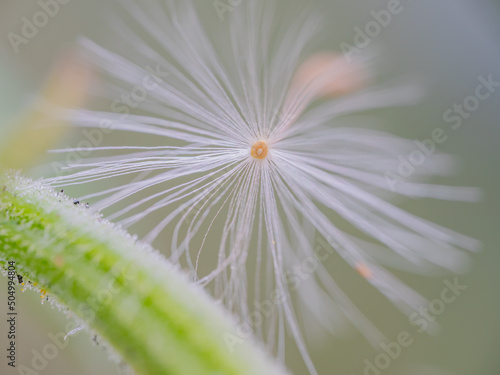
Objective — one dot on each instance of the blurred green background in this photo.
(447, 45)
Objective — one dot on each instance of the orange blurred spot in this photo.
(58, 261)
(322, 75)
(364, 270)
(330, 74)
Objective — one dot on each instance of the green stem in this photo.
(143, 306)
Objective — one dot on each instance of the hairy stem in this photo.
(140, 304)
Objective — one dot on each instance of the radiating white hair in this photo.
(324, 176)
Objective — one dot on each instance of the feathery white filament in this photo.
(220, 99)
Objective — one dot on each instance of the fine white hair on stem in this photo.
(322, 174)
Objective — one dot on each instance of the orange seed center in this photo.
(259, 150)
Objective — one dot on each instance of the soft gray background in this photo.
(448, 44)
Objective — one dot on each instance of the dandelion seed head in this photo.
(225, 104)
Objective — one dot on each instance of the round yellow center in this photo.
(259, 150)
